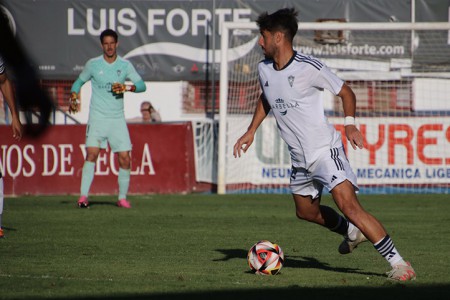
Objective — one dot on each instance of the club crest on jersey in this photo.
(291, 80)
(119, 72)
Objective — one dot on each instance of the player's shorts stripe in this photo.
(337, 160)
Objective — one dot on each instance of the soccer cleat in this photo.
(123, 203)
(83, 202)
(402, 273)
(347, 245)
(2, 235)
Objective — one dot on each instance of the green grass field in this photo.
(195, 247)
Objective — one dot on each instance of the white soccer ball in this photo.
(265, 258)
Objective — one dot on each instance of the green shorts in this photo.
(114, 132)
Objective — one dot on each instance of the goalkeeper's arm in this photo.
(120, 88)
(74, 103)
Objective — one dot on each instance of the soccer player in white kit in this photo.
(291, 85)
(8, 96)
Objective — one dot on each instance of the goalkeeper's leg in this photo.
(124, 183)
(124, 178)
(86, 181)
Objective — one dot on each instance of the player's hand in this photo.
(243, 143)
(17, 128)
(74, 103)
(120, 88)
(354, 136)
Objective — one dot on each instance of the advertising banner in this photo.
(162, 161)
(178, 40)
(399, 151)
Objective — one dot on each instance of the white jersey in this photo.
(294, 95)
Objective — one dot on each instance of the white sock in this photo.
(351, 231)
(387, 249)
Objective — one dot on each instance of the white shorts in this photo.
(328, 171)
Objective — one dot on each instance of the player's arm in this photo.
(244, 142)
(349, 105)
(85, 75)
(138, 85)
(120, 88)
(8, 95)
(74, 102)
(156, 117)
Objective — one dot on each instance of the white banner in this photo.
(412, 150)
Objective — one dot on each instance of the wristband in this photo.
(129, 88)
(349, 121)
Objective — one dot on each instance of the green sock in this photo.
(124, 183)
(87, 177)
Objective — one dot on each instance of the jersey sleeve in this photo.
(326, 79)
(86, 74)
(132, 74)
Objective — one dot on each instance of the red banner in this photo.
(162, 161)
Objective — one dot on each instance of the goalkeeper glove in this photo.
(120, 88)
(73, 103)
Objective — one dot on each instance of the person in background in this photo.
(149, 113)
(17, 129)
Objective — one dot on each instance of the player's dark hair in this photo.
(109, 32)
(284, 20)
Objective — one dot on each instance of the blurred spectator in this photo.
(148, 114)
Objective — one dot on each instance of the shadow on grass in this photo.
(302, 262)
(394, 291)
(91, 203)
(8, 228)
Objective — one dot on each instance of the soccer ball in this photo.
(265, 258)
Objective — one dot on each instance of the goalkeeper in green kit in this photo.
(106, 123)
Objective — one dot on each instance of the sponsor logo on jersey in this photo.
(283, 106)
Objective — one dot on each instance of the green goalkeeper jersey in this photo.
(104, 103)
